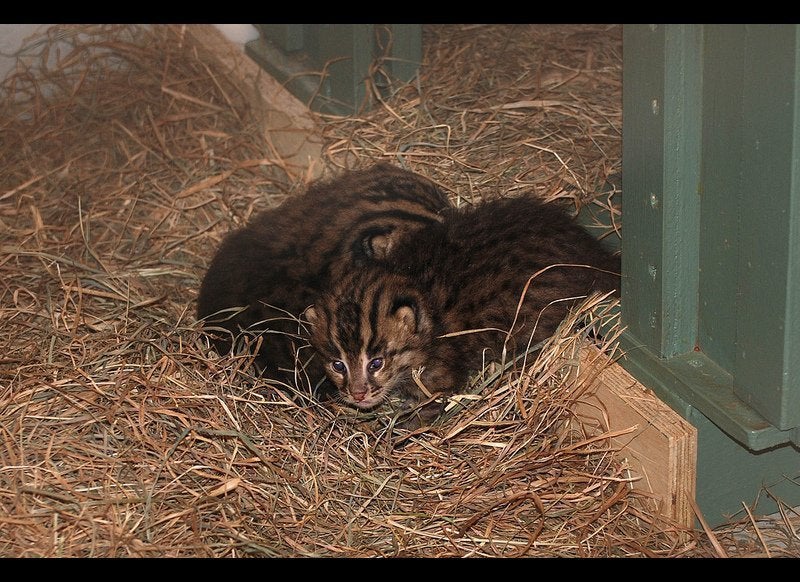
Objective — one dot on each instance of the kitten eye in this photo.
(338, 366)
(375, 364)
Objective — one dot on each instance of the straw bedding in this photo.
(126, 157)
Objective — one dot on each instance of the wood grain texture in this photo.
(662, 447)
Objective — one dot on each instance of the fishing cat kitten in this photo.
(265, 274)
(379, 324)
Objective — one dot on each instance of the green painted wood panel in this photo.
(326, 65)
(406, 53)
(791, 345)
(661, 124)
(643, 174)
(710, 242)
(749, 190)
(729, 475)
(769, 131)
(289, 37)
(682, 114)
(346, 51)
(721, 344)
(722, 181)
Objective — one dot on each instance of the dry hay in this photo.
(126, 158)
(502, 110)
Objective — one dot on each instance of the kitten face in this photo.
(371, 340)
(286, 255)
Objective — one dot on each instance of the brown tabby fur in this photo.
(467, 272)
(265, 274)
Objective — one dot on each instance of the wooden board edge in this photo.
(290, 127)
(661, 450)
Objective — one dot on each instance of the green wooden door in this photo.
(711, 245)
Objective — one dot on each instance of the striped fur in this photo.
(467, 272)
(268, 272)
(368, 322)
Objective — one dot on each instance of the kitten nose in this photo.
(359, 393)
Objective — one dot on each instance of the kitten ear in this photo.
(405, 320)
(410, 319)
(380, 245)
(311, 316)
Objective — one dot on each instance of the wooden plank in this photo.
(662, 448)
(768, 203)
(289, 37)
(290, 127)
(661, 166)
(723, 55)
